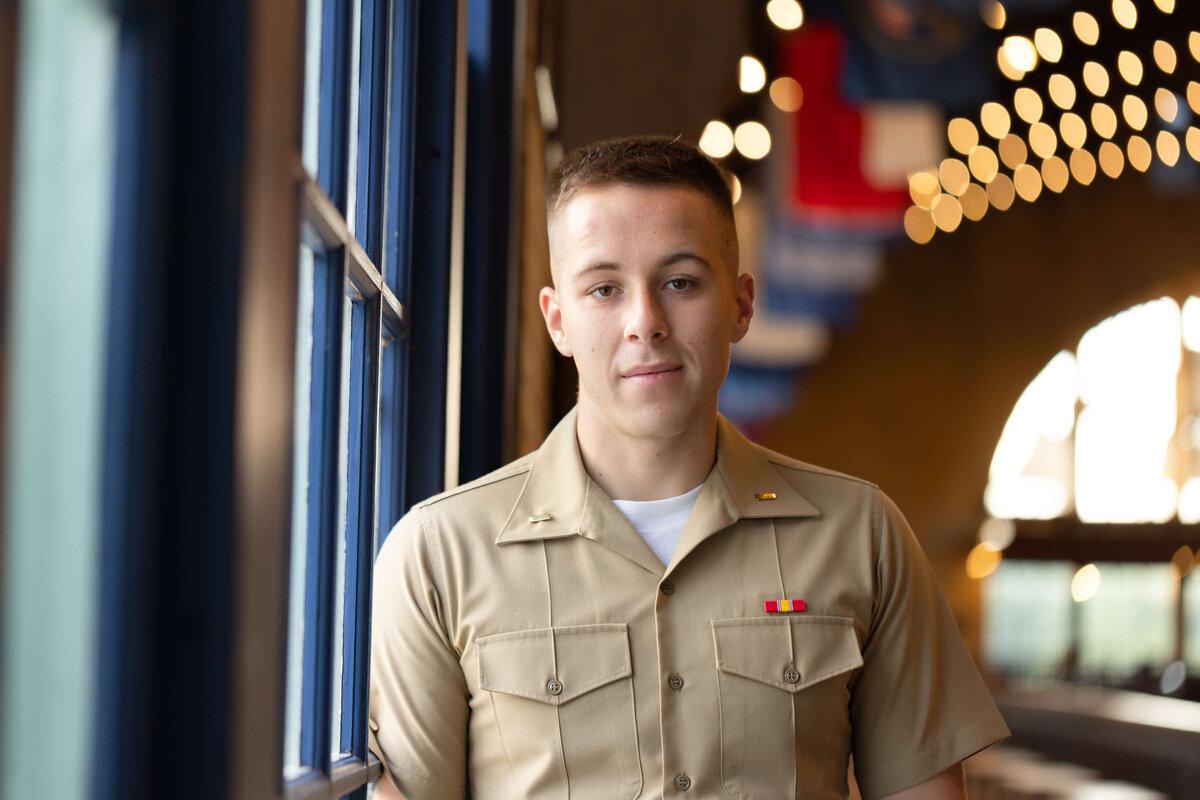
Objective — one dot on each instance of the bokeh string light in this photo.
(1065, 127)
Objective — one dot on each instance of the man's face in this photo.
(647, 303)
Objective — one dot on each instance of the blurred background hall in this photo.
(268, 274)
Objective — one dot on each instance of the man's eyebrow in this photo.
(684, 255)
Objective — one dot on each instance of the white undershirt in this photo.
(660, 522)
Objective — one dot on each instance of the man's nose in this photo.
(645, 320)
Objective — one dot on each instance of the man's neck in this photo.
(632, 468)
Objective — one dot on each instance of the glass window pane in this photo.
(1129, 623)
(1191, 614)
(1027, 618)
(294, 701)
(391, 430)
(312, 85)
(352, 121)
(339, 544)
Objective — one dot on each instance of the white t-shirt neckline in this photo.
(660, 522)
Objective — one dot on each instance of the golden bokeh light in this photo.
(1028, 104)
(1193, 96)
(1182, 562)
(1083, 167)
(1007, 69)
(752, 140)
(1020, 53)
(947, 212)
(1130, 67)
(1001, 192)
(1168, 148)
(919, 224)
(974, 202)
(752, 75)
(1085, 583)
(923, 186)
(982, 561)
(1166, 103)
(717, 139)
(786, 94)
(1073, 130)
(1104, 120)
(785, 14)
(1087, 30)
(1192, 140)
(1048, 45)
(1013, 151)
(993, 14)
(1139, 153)
(1134, 111)
(1055, 174)
(1095, 78)
(1028, 182)
(954, 176)
(995, 120)
(963, 134)
(735, 188)
(1062, 91)
(984, 164)
(1165, 6)
(1112, 160)
(1125, 13)
(1164, 56)
(1194, 44)
(1042, 139)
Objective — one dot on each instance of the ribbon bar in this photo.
(782, 606)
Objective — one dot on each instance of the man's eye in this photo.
(679, 283)
(603, 291)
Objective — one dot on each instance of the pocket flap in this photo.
(523, 663)
(758, 649)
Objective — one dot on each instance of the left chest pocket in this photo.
(784, 693)
(566, 693)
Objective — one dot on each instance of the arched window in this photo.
(1093, 494)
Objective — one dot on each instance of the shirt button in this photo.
(553, 686)
(675, 681)
(791, 675)
(667, 587)
(683, 783)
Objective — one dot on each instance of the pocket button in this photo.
(554, 687)
(791, 675)
(683, 783)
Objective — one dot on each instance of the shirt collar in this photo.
(559, 499)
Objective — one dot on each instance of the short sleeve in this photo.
(419, 698)
(918, 705)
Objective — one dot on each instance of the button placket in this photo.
(675, 681)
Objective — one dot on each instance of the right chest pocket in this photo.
(563, 699)
(783, 685)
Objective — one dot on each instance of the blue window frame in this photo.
(368, 255)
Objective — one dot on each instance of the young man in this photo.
(650, 605)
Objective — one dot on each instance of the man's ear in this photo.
(552, 313)
(743, 304)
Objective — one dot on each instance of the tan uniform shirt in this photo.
(525, 638)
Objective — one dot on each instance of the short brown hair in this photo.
(639, 161)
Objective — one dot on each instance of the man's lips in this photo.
(651, 371)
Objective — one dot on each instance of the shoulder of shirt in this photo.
(797, 466)
(514, 469)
